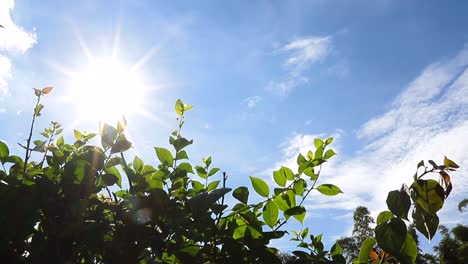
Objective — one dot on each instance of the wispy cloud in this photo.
(252, 102)
(302, 53)
(13, 39)
(428, 120)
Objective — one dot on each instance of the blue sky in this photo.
(388, 79)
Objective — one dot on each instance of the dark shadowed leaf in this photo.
(241, 194)
(399, 203)
(426, 223)
(391, 235)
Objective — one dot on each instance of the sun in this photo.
(106, 89)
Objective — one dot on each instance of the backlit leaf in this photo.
(270, 214)
(260, 186)
(47, 90)
(329, 189)
(164, 156)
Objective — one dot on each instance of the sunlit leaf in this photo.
(212, 185)
(164, 156)
(270, 213)
(366, 248)
(329, 189)
(384, 217)
(4, 152)
(449, 163)
(260, 186)
(429, 195)
(47, 90)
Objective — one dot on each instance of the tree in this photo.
(361, 230)
(453, 247)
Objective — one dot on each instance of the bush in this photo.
(61, 209)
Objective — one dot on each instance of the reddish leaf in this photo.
(47, 90)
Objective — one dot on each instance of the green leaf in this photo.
(299, 187)
(391, 236)
(201, 172)
(179, 107)
(4, 152)
(114, 171)
(212, 186)
(213, 171)
(185, 167)
(279, 178)
(366, 248)
(191, 250)
(109, 179)
(121, 124)
(300, 159)
(121, 145)
(138, 164)
(329, 140)
(260, 186)
(270, 214)
(429, 195)
(155, 180)
(449, 163)
(181, 155)
(197, 186)
(77, 134)
(108, 135)
(164, 156)
(180, 143)
(384, 217)
(410, 248)
(399, 203)
(426, 223)
(239, 232)
(318, 142)
(336, 249)
(297, 212)
(285, 200)
(329, 189)
(329, 153)
(207, 161)
(241, 194)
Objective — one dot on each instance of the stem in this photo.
(127, 170)
(48, 145)
(108, 192)
(303, 198)
(28, 142)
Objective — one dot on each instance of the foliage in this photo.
(71, 207)
(453, 247)
(427, 198)
(361, 231)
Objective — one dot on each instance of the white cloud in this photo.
(302, 53)
(307, 50)
(427, 121)
(13, 39)
(252, 102)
